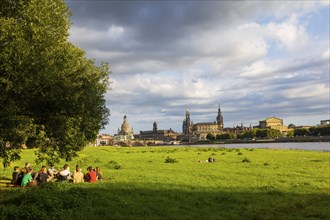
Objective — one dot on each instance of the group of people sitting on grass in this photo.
(28, 177)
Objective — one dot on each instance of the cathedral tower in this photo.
(186, 124)
(219, 119)
(155, 129)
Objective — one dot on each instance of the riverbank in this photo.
(275, 140)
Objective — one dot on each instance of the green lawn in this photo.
(275, 184)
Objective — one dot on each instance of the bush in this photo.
(246, 160)
(170, 160)
(113, 165)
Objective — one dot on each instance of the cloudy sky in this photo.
(257, 59)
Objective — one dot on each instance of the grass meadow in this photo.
(241, 184)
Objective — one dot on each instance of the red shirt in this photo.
(92, 176)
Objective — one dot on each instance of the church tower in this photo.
(219, 119)
(186, 123)
(155, 129)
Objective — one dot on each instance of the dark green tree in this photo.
(320, 131)
(248, 134)
(301, 132)
(210, 137)
(51, 95)
(226, 136)
(268, 133)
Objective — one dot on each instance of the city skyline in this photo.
(257, 59)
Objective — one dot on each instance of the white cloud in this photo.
(257, 68)
(326, 55)
(290, 34)
(307, 91)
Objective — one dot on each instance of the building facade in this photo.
(161, 135)
(325, 122)
(103, 140)
(274, 123)
(201, 129)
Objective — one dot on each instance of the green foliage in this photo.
(170, 160)
(290, 134)
(301, 132)
(210, 137)
(320, 130)
(113, 165)
(226, 136)
(54, 95)
(312, 131)
(268, 133)
(246, 160)
(251, 134)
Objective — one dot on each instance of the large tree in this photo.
(51, 95)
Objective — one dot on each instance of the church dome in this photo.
(125, 128)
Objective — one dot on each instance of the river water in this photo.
(318, 146)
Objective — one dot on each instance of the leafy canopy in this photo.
(51, 95)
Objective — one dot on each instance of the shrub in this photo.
(113, 165)
(246, 160)
(170, 160)
(239, 153)
(97, 160)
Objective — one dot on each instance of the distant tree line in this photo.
(271, 133)
(312, 131)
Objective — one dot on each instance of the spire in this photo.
(155, 127)
(219, 118)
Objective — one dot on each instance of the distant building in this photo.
(125, 133)
(238, 129)
(155, 134)
(201, 129)
(274, 123)
(103, 140)
(325, 122)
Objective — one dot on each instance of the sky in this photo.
(257, 59)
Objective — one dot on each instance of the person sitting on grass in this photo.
(20, 176)
(99, 173)
(28, 166)
(91, 174)
(15, 175)
(78, 176)
(27, 177)
(42, 176)
(65, 173)
(52, 171)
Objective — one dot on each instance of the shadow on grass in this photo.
(129, 201)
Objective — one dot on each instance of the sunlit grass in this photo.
(274, 184)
